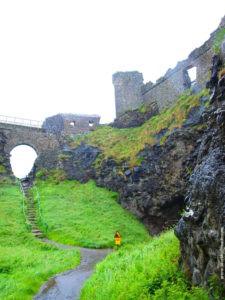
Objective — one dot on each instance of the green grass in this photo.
(218, 41)
(86, 215)
(25, 263)
(125, 144)
(149, 271)
(2, 170)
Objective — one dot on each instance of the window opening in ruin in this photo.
(22, 160)
(192, 73)
(73, 123)
(91, 123)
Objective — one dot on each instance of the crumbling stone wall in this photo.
(165, 92)
(127, 91)
(70, 124)
(170, 86)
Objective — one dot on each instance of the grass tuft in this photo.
(218, 41)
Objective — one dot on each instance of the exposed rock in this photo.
(134, 118)
(154, 190)
(200, 231)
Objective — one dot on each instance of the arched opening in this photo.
(192, 72)
(91, 123)
(22, 159)
(190, 76)
(72, 123)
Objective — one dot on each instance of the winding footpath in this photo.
(66, 285)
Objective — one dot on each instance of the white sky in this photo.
(22, 160)
(59, 56)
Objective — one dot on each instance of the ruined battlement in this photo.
(127, 90)
(130, 92)
(70, 124)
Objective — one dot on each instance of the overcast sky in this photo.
(59, 56)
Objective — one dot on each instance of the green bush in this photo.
(52, 175)
(2, 170)
(218, 41)
(64, 156)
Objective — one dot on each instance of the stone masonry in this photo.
(45, 140)
(70, 124)
(127, 91)
(130, 92)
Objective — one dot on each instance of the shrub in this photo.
(218, 41)
(64, 156)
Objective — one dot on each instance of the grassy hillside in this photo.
(149, 271)
(126, 143)
(25, 263)
(86, 215)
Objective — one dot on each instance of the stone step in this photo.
(34, 225)
(37, 234)
(35, 230)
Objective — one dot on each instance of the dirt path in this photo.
(68, 284)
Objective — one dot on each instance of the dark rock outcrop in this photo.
(200, 229)
(155, 189)
(136, 117)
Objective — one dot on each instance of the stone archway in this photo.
(22, 159)
(15, 135)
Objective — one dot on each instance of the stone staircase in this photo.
(31, 207)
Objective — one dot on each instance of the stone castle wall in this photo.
(70, 124)
(131, 94)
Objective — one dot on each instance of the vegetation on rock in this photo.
(218, 41)
(126, 143)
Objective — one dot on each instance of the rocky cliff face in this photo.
(154, 190)
(200, 230)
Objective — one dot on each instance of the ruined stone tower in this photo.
(127, 87)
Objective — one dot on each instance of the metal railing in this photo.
(24, 197)
(39, 208)
(20, 121)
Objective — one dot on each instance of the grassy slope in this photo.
(148, 271)
(126, 143)
(25, 263)
(86, 215)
